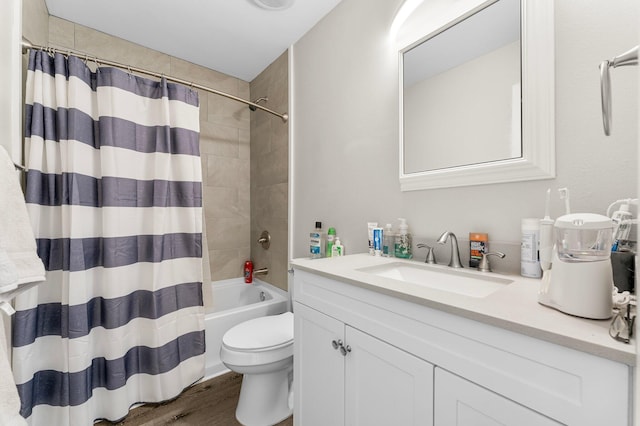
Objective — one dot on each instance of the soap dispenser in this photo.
(402, 246)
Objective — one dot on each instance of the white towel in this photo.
(19, 261)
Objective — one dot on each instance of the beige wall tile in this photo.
(61, 33)
(203, 76)
(116, 49)
(204, 105)
(229, 112)
(225, 203)
(228, 233)
(35, 21)
(227, 172)
(219, 140)
(227, 264)
(269, 172)
(244, 144)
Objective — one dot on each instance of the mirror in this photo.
(496, 126)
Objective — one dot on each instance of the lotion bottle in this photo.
(337, 249)
(402, 246)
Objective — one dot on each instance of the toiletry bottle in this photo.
(316, 242)
(478, 244)
(387, 241)
(370, 226)
(377, 241)
(530, 248)
(248, 272)
(331, 236)
(402, 246)
(337, 249)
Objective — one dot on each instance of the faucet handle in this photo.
(484, 266)
(431, 258)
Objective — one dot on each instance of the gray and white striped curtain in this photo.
(115, 199)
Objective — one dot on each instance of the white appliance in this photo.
(575, 258)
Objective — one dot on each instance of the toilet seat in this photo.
(260, 341)
(260, 333)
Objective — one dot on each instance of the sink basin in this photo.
(450, 280)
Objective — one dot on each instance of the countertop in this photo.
(514, 307)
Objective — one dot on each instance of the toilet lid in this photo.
(261, 333)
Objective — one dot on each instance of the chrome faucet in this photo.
(455, 253)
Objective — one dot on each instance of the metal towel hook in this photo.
(630, 57)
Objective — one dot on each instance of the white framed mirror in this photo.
(495, 63)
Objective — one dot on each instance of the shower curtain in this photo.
(115, 199)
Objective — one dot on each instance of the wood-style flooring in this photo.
(210, 403)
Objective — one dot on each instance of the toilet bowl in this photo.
(262, 350)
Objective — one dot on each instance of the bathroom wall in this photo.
(345, 132)
(224, 127)
(270, 172)
(35, 22)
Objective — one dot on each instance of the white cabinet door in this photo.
(318, 369)
(459, 402)
(385, 385)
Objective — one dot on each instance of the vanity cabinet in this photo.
(351, 378)
(363, 357)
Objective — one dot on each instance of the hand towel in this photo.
(19, 261)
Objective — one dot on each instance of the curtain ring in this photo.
(95, 61)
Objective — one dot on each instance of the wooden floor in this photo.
(211, 403)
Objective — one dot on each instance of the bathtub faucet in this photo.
(261, 271)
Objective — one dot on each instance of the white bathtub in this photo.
(230, 302)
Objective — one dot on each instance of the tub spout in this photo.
(261, 271)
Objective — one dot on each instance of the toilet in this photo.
(262, 350)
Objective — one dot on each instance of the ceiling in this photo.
(235, 37)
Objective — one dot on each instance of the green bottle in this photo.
(331, 236)
(403, 244)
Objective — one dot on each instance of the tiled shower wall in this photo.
(270, 171)
(224, 139)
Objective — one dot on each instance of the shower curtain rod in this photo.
(27, 45)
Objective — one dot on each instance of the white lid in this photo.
(584, 221)
(403, 225)
(260, 333)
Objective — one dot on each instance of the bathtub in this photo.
(230, 302)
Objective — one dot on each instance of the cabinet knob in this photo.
(345, 350)
(336, 344)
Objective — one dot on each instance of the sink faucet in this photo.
(455, 253)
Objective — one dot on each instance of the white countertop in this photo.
(513, 308)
